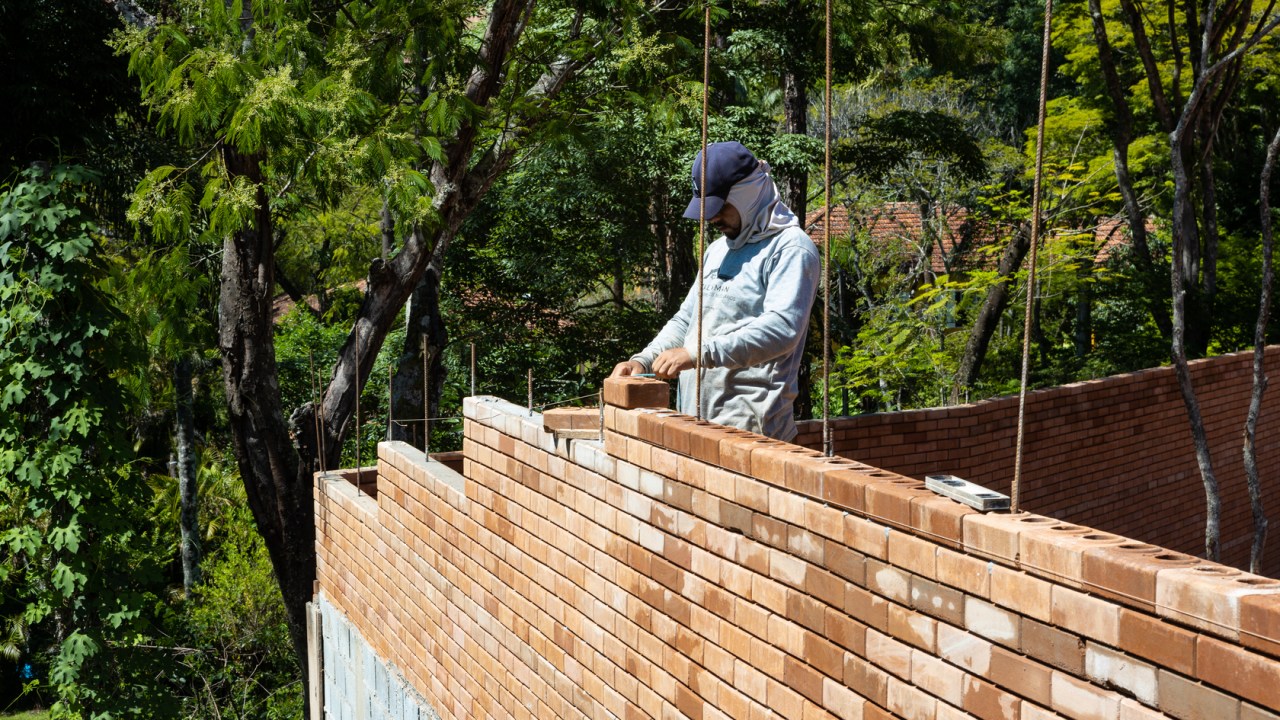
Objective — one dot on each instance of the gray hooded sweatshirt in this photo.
(759, 289)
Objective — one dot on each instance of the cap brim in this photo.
(714, 205)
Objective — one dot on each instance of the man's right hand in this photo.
(627, 367)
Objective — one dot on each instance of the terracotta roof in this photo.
(900, 221)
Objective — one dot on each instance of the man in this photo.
(760, 278)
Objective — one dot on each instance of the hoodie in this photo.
(758, 291)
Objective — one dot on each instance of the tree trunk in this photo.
(189, 501)
(1183, 218)
(1083, 335)
(984, 325)
(795, 118)
(277, 482)
(408, 392)
(1259, 364)
(1121, 127)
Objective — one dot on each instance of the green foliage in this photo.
(75, 559)
(235, 658)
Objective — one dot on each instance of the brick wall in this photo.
(1114, 453)
(681, 569)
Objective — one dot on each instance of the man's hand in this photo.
(672, 362)
(627, 367)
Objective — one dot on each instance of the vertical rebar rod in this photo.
(359, 345)
(702, 204)
(315, 409)
(473, 369)
(391, 415)
(826, 252)
(1036, 228)
(426, 404)
(530, 392)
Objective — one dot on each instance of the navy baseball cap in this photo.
(727, 164)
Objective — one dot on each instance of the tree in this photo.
(77, 559)
(430, 101)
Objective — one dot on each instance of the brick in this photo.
(937, 600)
(988, 702)
(913, 554)
(1082, 614)
(995, 535)
(583, 418)
(846, 632)
(845, 488)
(1057, 550)
(1247, 674)
(1134, 710)
(704, 441)
(937, 678)
(1021, 675)
(964, 649)
(866, 679)
(890, 502)
(889, 654)
(1208, 596)
(913, 628)
(806, 472)
(1127, 572)
(769, 460)
(867, 537)
(940, 519)
(1053, 646)
(907, 702)
(1189, 700)
(841, 701)
(1158, 641)
(1260, 623)
(735, 452)
(848, 564)
(1112, 668)
(803, 679)
(888, 581)
(631, 392)
(1081, 701)
(993, 623)
(1024, 593)
(970, 574)
(1252, 712)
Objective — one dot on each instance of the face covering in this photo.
(762, 210)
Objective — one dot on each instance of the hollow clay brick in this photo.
(1111, 668)
(970, 574)
(890, 502)
(995, 535)
(1208, 596)
(1052, 646)
(704, 441)
(845, 489)
(632, 392)
(1022, 592)
(865, 679)
(913, 554)
(804, 471)
(735, 451)
(940, 519)
(1080, 700)
(769, 460)
(650, 422)
(1158, 641)
(1086, 615)
(1057, 550)
(1127, 572)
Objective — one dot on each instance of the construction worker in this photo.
(759, 279)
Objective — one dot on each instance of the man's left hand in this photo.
(672, 362)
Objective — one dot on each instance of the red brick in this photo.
(1056, 551)
(1247, 674)
(1260, 623)
(769, 460)
(940, 519)
(845, 489)
(1052, 646)
(1208, 596)
(988, 702)
(1127, 572)
(1158, 641)
(890, 502)
(631, 392)
(1189, 700)
(1021, 675)
(995, 536)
